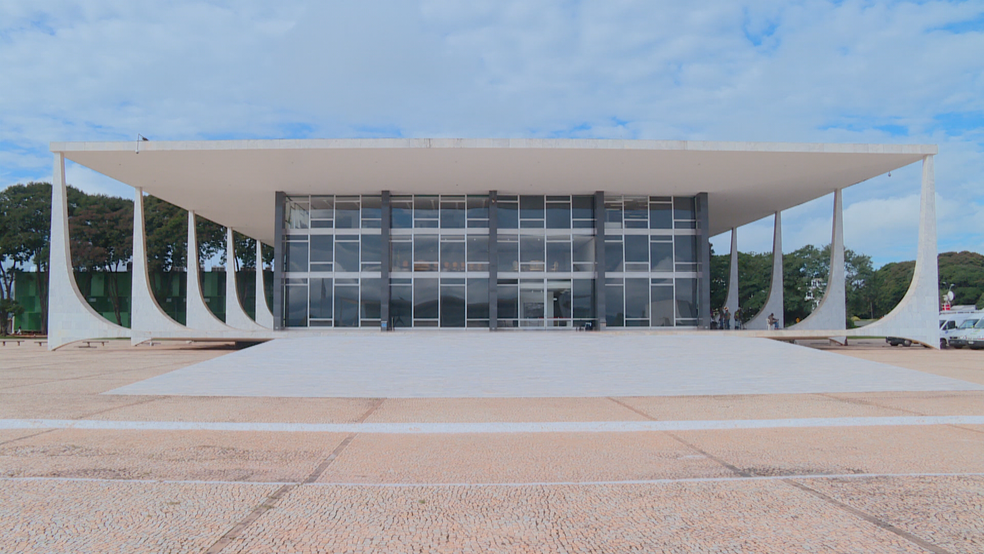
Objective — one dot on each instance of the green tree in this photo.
(965, 272)
(26, 213)
(9, 309)
(102, 240)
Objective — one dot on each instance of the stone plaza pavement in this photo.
(816, 459)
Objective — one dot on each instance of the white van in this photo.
(967, 330)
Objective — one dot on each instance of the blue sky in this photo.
(812, 71)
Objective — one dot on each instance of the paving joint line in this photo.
(138, 402)
(26, 437)
(858, 401)
(870, 518)
(632, 408)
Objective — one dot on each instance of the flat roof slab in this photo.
(533, 365)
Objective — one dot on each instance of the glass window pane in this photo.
(686, 298)
(296, 214)
(347, 306)
(531, 207)
(321, 298)
(425, 299)
(662, 256)
(372, 208)
(584, 254)
(508, 214)
(637, 298)
(558, 301)
(613, 256)
(297, 303)
(531, 299)
(683, 207)
(636, 212)
(558, 215)
(401, 212)
(322, 207)
(402, 256)
(297, 255)
(558, 256)
(583, 302)
(583, 207)
(371, 252)
(425, 207)
(508, 300)
(452, 255)
(613, 214)
(686, 248)
(453, 306)
(660, 216)
(637, 248)
(370, 299)
(425, 253)
(478, 253)
(614, 314)
(347, 212)
(478, 207)
(478, 299)
(346, 256)
(321, 248)
(401, 305)
(453, 214)
(531, 256)
(508, 253)
(661, 306)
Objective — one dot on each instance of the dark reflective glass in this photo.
(637, 298)
(371, 255)
(583, 302)
(478, 207)
(531, 256)
(662, 256)
(425, 207)
(584, 254)
(425, 300)
(452, 255)
(347, 213)
(661, 306)
(478, 253)
(322, 207)
(401, 212)
(402, 256)
(683, 207)
(583, 207)
(372, 207)
(508, 215)
(637, 248)
(660, 216)
(370, 299)
(321, 250)
(613, 256)
(686, 298)
(613, 214)
(531, 207)
(531, 299)
(558, 256)
(321, 298)
(453, 214)
(401, 305)
(508, 300)
(636, 212)
(478, 299)
(453, 306)
(346, 256)
(614, 314)
(559, 301)
(296, 214)
(686, 248)
(347, 306)
(508, 251)
(425, 253)
(558, 215)
(297, 255)
(296, 300)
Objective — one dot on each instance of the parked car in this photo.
(950, 322)
(968, 331)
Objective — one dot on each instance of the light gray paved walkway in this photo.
(532, 364)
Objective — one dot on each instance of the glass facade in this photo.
(480, 261)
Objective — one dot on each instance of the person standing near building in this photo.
(738, 318)
(726, 317)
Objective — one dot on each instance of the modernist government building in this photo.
(406, 234)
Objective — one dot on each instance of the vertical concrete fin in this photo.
(147, 319)
(917, 316)
(198, 316)
(774, 302)
(831, 313)
(731, 301)
(70, 317)
(264, 316)
(236, 316)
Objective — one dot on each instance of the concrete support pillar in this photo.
(197, 314)
(703, 215)
(831, 313)
(917, 315)
(384, 259)
(278, 260)
(599, 305)
(264, 316)
(731, 300)
(70, 317)
(774, 302)
(493, 260)
(236, 316)
(147, 319)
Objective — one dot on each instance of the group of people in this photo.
(723, 319)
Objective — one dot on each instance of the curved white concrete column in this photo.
(70, 317)
(235, 315)
(774, 303)
(731, 301)
(917, 315)
(198, 316)
(147, 319)
(264, 316)
(831, 313)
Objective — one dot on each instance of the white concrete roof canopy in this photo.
(233, 182)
